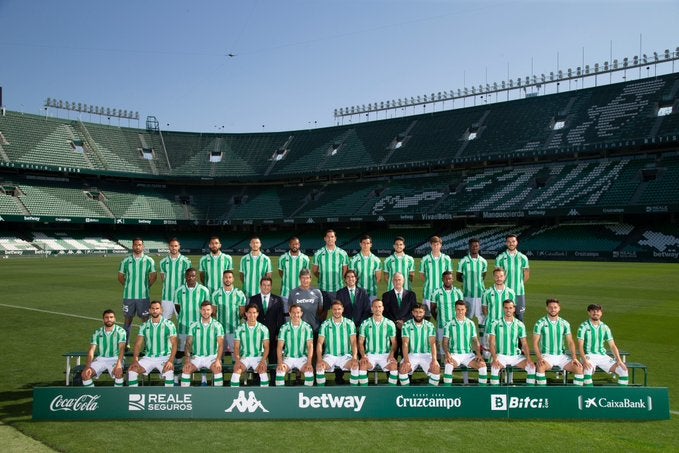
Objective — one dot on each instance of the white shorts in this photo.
(421, 360)
(251, 363)
(229, 339)
(463, 359)
(337, 361)
(378, 359)
(510, 360)
(153, 363)
(559, 361)
(295, 363)
(203, 362)
(602, 361)
(169, 309)
(101, 364)
(474, 309)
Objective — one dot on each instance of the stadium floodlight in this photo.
(503, 84)
(655, 56)
(495, 86)
(560, 74)
(615, 64)
(136, 115)
(667, 54)
(466, 91)
(511, 83)
(635, 60)
(459, 92)
(625, 62)
(596, 67)
(586, 69)
(644, 58)
(578, 71)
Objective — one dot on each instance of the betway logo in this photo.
(328, 400)
(84, 403)
(605, 403)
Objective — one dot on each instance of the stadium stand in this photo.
(483, 170)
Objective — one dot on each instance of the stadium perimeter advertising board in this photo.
(254, 403)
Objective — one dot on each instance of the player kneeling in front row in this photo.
(419, 348)
(295, 348)
(505, 335)
(548, 335)
(251, 348)
(110, 340)
(338, 334)
(459, 337)
(377, 345)
(593, 335)
(204, 347)
(160, 337)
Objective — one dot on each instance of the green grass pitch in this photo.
(640, 304)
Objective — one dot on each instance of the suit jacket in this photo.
(360, 310)
(393, 311)
(274, 318)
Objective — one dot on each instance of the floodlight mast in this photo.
(533, 82)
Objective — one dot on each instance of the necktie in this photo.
(265, 302)
(352, 294)
(398, 296)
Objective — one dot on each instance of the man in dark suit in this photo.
(356, 300)
(271, 313)
(398, 305)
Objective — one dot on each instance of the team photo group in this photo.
(204, 323)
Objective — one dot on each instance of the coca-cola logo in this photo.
(84, 403)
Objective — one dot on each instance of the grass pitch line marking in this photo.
(56, 313)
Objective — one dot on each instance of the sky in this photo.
(276, 65)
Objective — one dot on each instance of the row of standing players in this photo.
(399, 305)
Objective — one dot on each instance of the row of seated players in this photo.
(377, 345)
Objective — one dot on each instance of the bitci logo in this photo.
(498, 402)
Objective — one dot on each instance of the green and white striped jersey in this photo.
(403, 264)
(291, 265)
(254, 268)
(214, 267)
(377, 336)
(365, 267)
(337, 336)
(418, 336)
(205, 337)
(157, 337)
(251, 339)
(513, 266)
(228, 307)
(189, 300)
(445, 304)
(493, 299)
(295, 339)
(433, 269)
(137, 272)
(552, 335)
(108, 343)
(507, 335)
(175, 273)
(595, 337)
(472, 270)
(460, 335)
(330, 266)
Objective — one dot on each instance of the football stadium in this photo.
(585, 178)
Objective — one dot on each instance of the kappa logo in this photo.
(573, 212)
(136, 402)
(246, 404)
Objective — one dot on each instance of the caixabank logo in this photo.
(159, 402)
(602, 402)
(502, 402)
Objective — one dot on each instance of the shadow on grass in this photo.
(17, 405)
